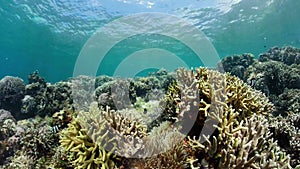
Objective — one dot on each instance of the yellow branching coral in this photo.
(226, 106)
(250, 146)
(202, 93)
(82, 151)
(125, 135)
(93, 139)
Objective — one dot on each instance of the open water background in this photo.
(48, 35)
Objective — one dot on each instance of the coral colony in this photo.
(254, 106)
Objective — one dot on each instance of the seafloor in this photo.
(251, 113)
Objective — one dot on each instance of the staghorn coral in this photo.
(93, 138)
(163, 148)
(173, 158)
(273, 73)
(203, 91)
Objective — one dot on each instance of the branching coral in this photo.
(124, 134)
(248, 145)
(173, 158)
(93, 137)
(82, 152)
(225, 106)
(199, 93)
(163, 148)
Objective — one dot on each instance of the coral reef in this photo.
(247, 145)
(192, 119)
(20, 161)
(274, 73)
(44, 99)
(30, 141)
(286, 130)
(7, 124)
(288, 101)
(83, 88)
(117, 94)
(236, 64)
(7, 130)
(273, 77)
(12, 91)
(38, 138)
(122, 93)
(288, 55)
(173, 158)
(90, 139)
(100, 80)
(231, 106)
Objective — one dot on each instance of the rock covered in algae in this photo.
(288, 55)
(120, 93)
(12, 91)
(286, 131)
(236, 64)
(43, 98)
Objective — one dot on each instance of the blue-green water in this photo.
(48, 35)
